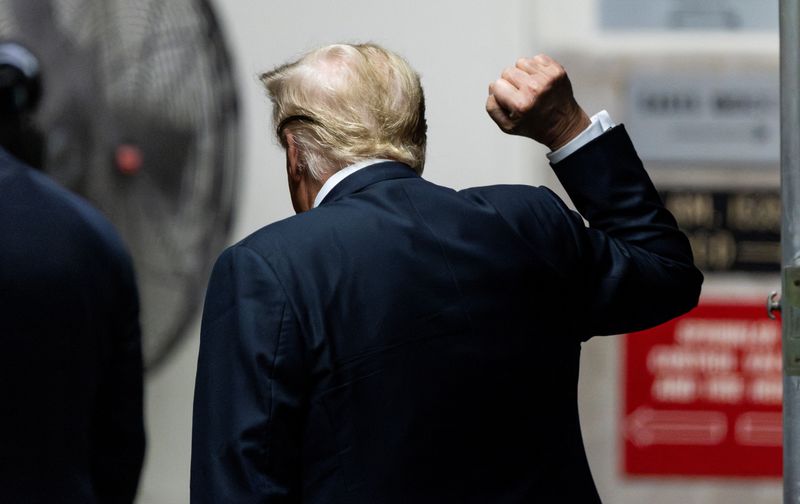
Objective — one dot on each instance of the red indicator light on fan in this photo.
(128, 159)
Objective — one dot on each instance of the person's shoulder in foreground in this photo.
(25, 189)
(69, 314)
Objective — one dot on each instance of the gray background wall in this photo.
(458, 47)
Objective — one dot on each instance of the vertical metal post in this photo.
(790, 244)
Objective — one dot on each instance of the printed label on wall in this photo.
(717, 15)
(700, 118)
(703, 395)
(734, 230)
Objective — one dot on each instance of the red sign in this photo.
(703, 395)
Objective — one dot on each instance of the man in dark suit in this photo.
(71, 425)
(402, 342)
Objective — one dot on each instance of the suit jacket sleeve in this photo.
(119, 439)
(248, 393)
(631, 268)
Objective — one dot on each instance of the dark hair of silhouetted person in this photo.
(20, 93)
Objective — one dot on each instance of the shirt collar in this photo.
(340, 175)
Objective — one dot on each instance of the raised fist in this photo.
(534, 99)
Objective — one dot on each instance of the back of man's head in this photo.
(346, 103)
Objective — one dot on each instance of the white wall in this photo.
(458, 47)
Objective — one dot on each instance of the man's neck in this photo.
(340, 175)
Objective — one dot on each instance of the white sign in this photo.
(686, 118)
(689, 14)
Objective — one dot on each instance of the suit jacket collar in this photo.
(359, 180)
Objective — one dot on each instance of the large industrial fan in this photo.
(139, 108)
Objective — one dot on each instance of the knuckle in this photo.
(519, 105)
(539, 83)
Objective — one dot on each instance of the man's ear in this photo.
(293, 166)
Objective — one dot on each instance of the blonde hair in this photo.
(346, 103)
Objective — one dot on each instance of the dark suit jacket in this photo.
(407, 343)
(71, 428)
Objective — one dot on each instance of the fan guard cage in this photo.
(141, 117)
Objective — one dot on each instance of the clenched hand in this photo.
(534, 99)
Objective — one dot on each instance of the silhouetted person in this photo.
(71, 426)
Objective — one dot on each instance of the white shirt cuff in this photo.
(601, 122)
